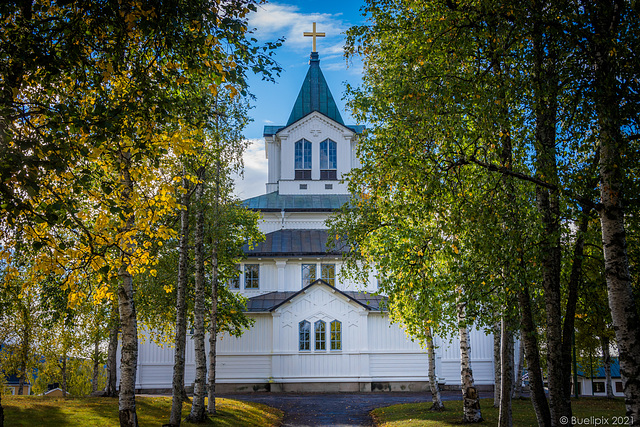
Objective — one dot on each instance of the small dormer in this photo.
(315, 149)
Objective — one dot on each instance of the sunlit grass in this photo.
(102, 411)
(418, 414)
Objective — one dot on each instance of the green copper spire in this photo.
(315, 95)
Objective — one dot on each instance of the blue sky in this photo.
(274, 100)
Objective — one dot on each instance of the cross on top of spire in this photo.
(313, 34)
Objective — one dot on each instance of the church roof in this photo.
(275, 202)
(314, 95)
(292, 243)
(271, 301)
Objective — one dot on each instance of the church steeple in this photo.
(314, 94)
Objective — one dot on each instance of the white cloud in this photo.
(255, 171)
(275, 20)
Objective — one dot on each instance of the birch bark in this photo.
(436, 399)
(534, 369)
(96, 365)
(127, 311)
(470, 398)
(505, 418)
(622, 302)
(112, 355)
(198, 409)
(213, 333)
(63, 370)
(546, 87)
(497, 382)
(518, 378)
(181, 311)
(606, 362)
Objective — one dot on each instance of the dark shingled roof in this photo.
(292, 243)
(275, 202)
(271, 301)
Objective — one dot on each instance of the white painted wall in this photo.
(372, 350)
(314, 128)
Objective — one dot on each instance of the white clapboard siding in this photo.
(393, 366)
(384, 336)
(257, 339)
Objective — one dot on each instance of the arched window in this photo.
(305, 335)
(321, 335)
(328, 159)
(303, 159)
(336, 335)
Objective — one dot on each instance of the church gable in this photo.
(317, 126)
(320, 297)
(320, 318)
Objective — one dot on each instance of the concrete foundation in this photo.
(324, 387)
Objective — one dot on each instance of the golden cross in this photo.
(313, 34)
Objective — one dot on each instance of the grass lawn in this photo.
(418, 414)
(103, 411)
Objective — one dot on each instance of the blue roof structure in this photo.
(314, 95)
(275, 202)
(599, 371)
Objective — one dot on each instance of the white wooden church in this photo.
(312, 332)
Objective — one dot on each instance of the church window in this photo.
(321, 335)
(252, 276)
(336, 335)
(303, 159)
(308, 274)
(305, 335)
(328, 159)
(328, 273)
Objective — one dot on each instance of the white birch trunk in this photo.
(63, 371)
(198, 409)
(470, 398)
(606, 21)
(213, 334)
(497, 382)
(127, 311)
(606, 361)
(112, 356)
(436, 399)
(505, 418)
(181, 315)
(96, 365)
(518, 379)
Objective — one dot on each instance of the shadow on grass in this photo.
(101, 411)
(418, 414)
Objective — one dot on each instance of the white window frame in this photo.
(308, 281)
(256, 279)
(304, 340)
(322, 341)
(335, 336)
